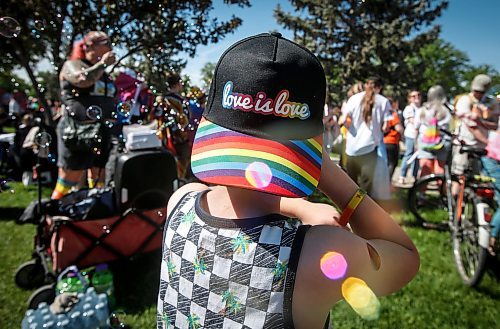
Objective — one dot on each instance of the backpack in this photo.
(431, 139)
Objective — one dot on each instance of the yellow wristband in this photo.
(351, 206)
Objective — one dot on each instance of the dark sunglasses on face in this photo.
(104, 42)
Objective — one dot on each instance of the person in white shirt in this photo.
(410, 134)
(476, 117)
(366, 116)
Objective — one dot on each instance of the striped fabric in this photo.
(431, 140)
(225, 157)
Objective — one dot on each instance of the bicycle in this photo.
(465, 216)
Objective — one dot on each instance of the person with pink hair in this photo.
(87, 94)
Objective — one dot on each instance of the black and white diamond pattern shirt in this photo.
(222, 273)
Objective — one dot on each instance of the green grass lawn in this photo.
(436, 298)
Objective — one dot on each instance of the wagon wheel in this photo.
(46, 293)
(30, 275)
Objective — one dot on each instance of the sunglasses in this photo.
(479, 92)
(104, 42)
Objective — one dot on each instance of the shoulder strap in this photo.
(179, 203)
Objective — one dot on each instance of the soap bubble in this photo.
(117, 320)
(9, 27)
(39, 25)
(94, 112)
(123, 109)
(43, 139)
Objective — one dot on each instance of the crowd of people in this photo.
(264, 138)
(373, 123)
(97, 103)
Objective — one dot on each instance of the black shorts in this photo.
(69, 160)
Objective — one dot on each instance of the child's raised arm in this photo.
(378, 251)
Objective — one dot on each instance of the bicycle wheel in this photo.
(469, 256)
(427, 201)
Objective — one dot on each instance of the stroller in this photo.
(89, 227)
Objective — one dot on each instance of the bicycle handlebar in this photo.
(464, 148)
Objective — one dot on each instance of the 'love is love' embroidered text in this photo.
(280, 106)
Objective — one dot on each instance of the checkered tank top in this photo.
(222, 273)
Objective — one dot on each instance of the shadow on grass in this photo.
(136, 282)
(493, 271)
(11, 213)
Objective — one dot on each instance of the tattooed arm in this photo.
(81, 76)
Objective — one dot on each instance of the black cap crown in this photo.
(269, 87)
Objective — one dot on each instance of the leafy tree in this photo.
(447, 66)
(49, 81)
(207, 73)
(357, 39)
(155, 31)
(482, 69)
(440, 63)
(11, 82)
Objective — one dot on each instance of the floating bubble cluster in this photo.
(51, 158)
(258, 174)
(9, 27)
(123, 109)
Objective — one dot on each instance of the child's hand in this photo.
(319, 214)
(308, 212)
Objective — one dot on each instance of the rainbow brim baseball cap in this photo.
(262, 128)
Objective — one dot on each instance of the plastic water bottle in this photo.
(49, 325)
(102, 281)
(102, 313)
(71, 280)
(75, 320)
(61, 321)
(87, 307)
(29, 318)
(49, 318)
(90, 320)
(64, 324)
(91, 292)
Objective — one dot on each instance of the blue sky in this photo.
(472, 26)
